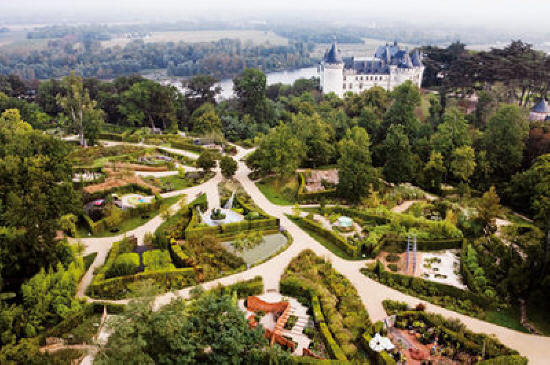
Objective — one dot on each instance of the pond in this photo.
(270, 245)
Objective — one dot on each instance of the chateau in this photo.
(389, 67)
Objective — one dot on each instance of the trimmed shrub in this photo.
(179, 257)
(332, 347)
(316, 308)
(117, 288)
(157, 260)
(254, 286)
(124, 264)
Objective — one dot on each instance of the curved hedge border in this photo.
(505, 360)
(331, 236)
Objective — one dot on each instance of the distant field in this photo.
(254, 36)
(356, 49)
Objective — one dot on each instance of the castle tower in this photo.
(332, 72)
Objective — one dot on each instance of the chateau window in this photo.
(361, 78)
(344, 87)
(356, 78)
(344, 79)
(360, 85)
(350, 85)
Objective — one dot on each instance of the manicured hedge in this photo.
(254, 286)
(179, 258)
(189, 146)
(100, 226)
(156, 260)
(379, 358)
(424, 245)
(331, 236)
(316, 308)
(117, 248)
(332, 347)
(437, 289)
(126, 189)
(505, 360)
(117, 288)
(355, 213)
(303, 196)
(124, 264)
(194, 231)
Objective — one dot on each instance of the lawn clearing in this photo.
(507, 317)
(270, 245)
(196, 36)
(279, 191)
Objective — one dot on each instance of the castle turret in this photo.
(332, 72)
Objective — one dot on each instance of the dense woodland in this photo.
(375, 137)
(84, 54)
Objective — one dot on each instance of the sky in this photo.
(504, 14)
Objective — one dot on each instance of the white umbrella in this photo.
(379, 344)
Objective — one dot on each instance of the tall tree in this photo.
(463, 163)
(250, 88)
(201, 89)
(398, 165)
(406, 97)
(355, 171)
(488, 208)
(450, 134)
(279, 152)
(150, 103)
(504, 141)
(35, 191)
(434, 172)
(79, 108)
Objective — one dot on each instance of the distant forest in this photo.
(83, 53)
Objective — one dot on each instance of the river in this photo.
(284, 77)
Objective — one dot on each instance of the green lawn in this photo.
(509, 317)
(325, 242)
(132, 223)
(277, 191)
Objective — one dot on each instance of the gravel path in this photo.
(372, 293)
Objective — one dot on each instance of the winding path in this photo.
(372, 293)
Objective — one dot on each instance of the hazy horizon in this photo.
(504, 15)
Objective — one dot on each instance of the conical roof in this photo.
(541, 107)
(333, 56)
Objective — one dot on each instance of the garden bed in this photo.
(270, 244)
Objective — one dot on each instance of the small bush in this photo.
(392, 258)
(393, 267)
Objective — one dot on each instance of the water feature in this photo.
(230, 217)
(284, 77)
(229, 203)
